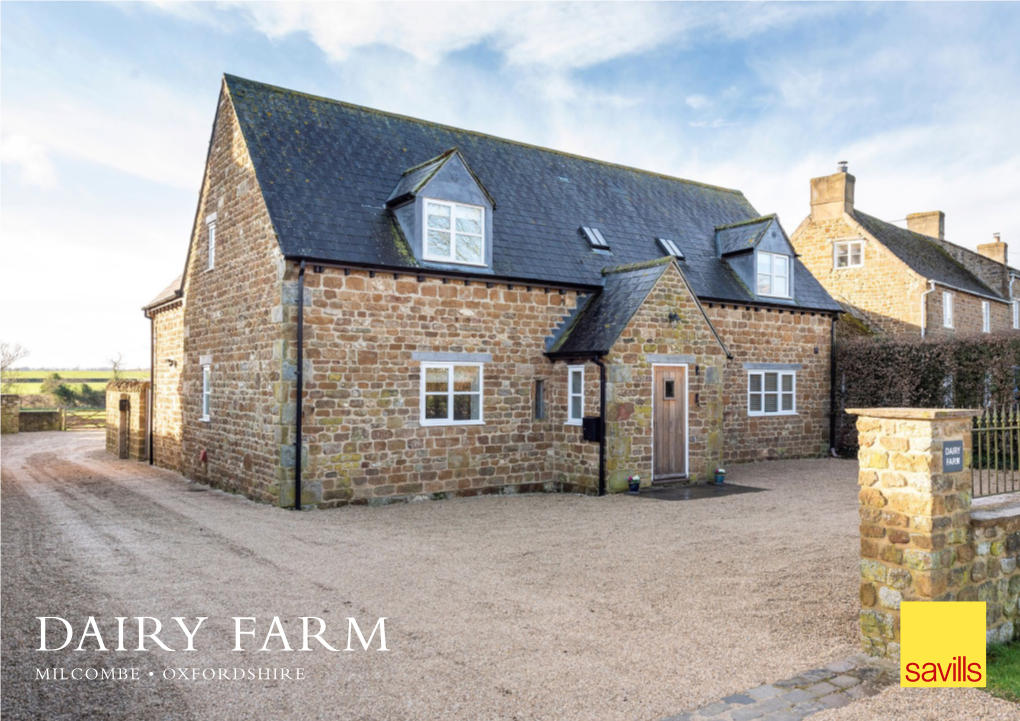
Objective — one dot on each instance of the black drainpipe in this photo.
(300, 383)
(152, 379)
(602, 424)
(832, 388)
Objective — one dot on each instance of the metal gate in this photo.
(995, 458)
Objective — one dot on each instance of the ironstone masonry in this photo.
(902, 278)
(375, 313)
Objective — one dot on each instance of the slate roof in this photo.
(922, 255)
(327, 168)
(604, 316)
(174, 290)
(739, 237)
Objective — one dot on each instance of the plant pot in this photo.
(634, 487)
(720, 477)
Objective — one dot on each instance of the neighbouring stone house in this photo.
(439, 311)
(904, 281)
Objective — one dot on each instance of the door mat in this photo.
(695, 492)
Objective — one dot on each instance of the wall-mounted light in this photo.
(674, 317)
(171, 362)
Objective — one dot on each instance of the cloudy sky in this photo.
(105, 112)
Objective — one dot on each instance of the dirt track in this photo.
(502, 607)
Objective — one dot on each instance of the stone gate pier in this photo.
(922, 539)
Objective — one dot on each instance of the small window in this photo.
(206, 391)
(670, 248)
(210, 227)
(986, 316)
(669, 389)
(454, 233)
(947, 309)
(771, 393)
(848, 254)
(575, 408)
(773, 275)
(451, 394)
(595, 238)
(1016, 314)
(540, 400)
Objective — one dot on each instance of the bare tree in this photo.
(116, 367)
(10, 353)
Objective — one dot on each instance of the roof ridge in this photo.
(445, 155)
(643, 265)
(228, 77)
(932, 242)
(752, 221)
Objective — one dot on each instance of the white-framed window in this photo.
(773, 274)
(210, 229)
(986, 316)
(454, 233)
(1016, 314)
(206, 391)
(575, 396)
(947, 309)
(848, 254)
(451, 394)
(771, 393)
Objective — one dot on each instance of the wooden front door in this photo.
(669, 404)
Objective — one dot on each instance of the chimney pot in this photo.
(842, 166)
(932, 224)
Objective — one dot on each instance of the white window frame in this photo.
(947, 309)
(210, 229)
(449, 421)
(779, 392)
(772, 276)
(847, 246)
(986, 316)
(1016, 315)
(206, 392)
(571, 420)
(452, 258)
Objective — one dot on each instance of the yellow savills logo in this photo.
(942, 644)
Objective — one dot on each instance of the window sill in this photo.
(786, 414)
(434, 424)
(205, 419)
(448, 261)
(574, 423)
(778, 297)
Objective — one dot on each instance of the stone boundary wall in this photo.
(11, 406)
(30, 421)
(918, 540)
(137, 395)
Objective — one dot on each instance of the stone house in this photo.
(904, 281)
(434, 312)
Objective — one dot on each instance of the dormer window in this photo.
(773, 275)
(454, 233)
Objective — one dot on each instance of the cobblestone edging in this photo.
(838, 684)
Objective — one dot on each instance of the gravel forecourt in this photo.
(509, 607)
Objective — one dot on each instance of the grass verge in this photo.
(1004, 671)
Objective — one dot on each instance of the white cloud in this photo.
(697, 101)
(31, 158)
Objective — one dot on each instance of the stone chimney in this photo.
(996, 250)
(832, 195)
(932, 224)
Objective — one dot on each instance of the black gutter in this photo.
(832, 388)
(300, 384)
(443, 273)
(602, 424)
(152, 381)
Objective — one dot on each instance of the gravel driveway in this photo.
(527, 607)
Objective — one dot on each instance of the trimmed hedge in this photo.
(972, 372)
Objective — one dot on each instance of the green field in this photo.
(97, 379)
